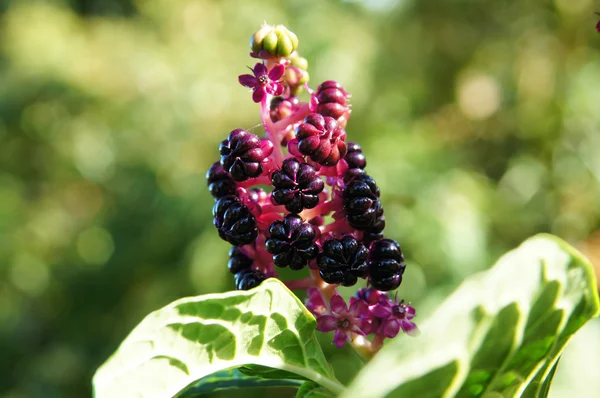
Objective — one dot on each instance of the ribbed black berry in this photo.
(355, 157)
(343, 261)
(332, 99)
(361, 202)
(386, 264)
(292, 242)
(297, 186)
(322, 139)
(219, 181)
(242, 155)
(248, 278)
(238, 261)
(234, 221)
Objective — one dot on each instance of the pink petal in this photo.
(259, 69)
(381, 311)
(410, 328)
(369, 326)
(247, 80)
(410, 312)
(340, 338)
(276, 72)
(258, 94)
(359, 308)
(338, 305)
(391, 328)
(326, 323)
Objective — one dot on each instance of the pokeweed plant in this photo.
(499, 334)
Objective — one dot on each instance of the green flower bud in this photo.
(299, 62)
(276, 41)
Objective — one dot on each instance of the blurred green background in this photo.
(480, 121)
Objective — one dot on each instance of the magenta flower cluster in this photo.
(370, 312)
(322, 212)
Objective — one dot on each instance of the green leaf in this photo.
(500, 334)
(233, 379)
(310, 389)
(192, 338)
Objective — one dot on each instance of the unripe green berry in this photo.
(276, 40)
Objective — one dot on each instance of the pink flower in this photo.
(395, 316)
(263, 82)
(315, 303)
(345, 321)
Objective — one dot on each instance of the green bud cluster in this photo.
(276, 40)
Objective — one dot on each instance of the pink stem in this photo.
(268, 208)
(340, 226)
(262, 180)
(301, 284)
(295, 117)
(272, 130)
(321, 210)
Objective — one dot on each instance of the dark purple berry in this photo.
(297, 186)
(343, 261)
(234, 221)
(292, 242)
(248, 278)
(350, 174)
(371, 236)
(355, 157)
(332, 100)
(242, 154)
(219, 181)
(322, 139)
(238, 261)
(361, 203)
(386, 264)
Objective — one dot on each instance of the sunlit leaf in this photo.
(499, 334)
(234, 379)
(192, 338)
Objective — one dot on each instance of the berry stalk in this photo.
(335, 232)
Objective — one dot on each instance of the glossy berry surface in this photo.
(292, 242)
(219, 181)
(238, 261)
(248, 278)
(386, 264)
(242, 155)
(361, 203)
(355, 157)
(234, 221)
(343, 261)
(332, 99)
(297, 186)
(322, 139)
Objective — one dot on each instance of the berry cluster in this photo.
(323, 212)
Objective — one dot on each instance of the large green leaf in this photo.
(174, 347)
(499, 334)
(234, 379)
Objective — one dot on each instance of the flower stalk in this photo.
(323, 212)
